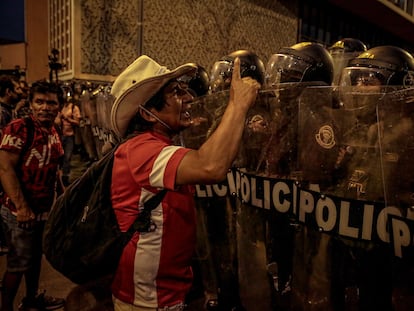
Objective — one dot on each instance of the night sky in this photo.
(11, 21)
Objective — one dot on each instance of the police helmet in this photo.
(342, 52)
(250, 66)
(198, 84)
(302, 62)
(385, 65)
(347, 45)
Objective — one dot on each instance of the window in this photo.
(60, 31)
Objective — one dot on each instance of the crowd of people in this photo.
(311, 115)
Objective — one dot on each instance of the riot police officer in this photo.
(375, 133)
(218, 214)
(290, 72)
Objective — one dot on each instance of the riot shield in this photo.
(261, 133)
(205, 112)
(253, 244)
(223, 222)
(338, 143)
(251, 241)
(304, 215)
(98, 126)
(265, 236)
(396, 137)
(216, 252)
(269, 138)
(342, 253)
(102, 128)
(318, 147)
(88, 112)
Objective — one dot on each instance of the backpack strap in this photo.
(143, 222)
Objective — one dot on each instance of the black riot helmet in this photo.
(348, 45)
(302, 62)
(342, 52)
(198, 84)
(388, 65)
(250, 66)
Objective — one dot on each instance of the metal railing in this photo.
(405, 5)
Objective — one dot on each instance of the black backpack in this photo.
(82, 239)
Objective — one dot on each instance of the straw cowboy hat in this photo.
(136, 85)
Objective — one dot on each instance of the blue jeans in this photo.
(25, 245)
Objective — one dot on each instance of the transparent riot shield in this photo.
(110, 139)
(263, 130)
(217, 246)
(206, 112)
(240, 244)
(318, 147)
(265, 236)
(339, 150)
(396, 137)
(216, 254)
(102, 129)
(269, 139)
(88, 112)
(342, 258)
(100, 98)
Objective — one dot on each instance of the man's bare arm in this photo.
(11, 185)
(210, 163)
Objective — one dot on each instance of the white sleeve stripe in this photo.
(156, 177)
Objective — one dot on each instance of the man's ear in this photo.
(146, 116)
(9, 91)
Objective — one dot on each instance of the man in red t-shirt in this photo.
(155, 268)
(29, 176)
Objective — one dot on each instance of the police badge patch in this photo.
(325, 137)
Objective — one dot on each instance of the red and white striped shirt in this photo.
(155, 267)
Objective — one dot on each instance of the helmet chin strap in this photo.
(155, 117)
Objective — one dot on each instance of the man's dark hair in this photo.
(6, 82)
(44, 87)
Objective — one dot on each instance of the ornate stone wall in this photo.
(178, 31)
(110, 35)
(203, 31)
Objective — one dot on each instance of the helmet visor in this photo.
(220, 77)
(365, 77)
(186, 80)
(340, 61)
(283, 68)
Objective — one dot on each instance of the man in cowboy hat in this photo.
(154, 271)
